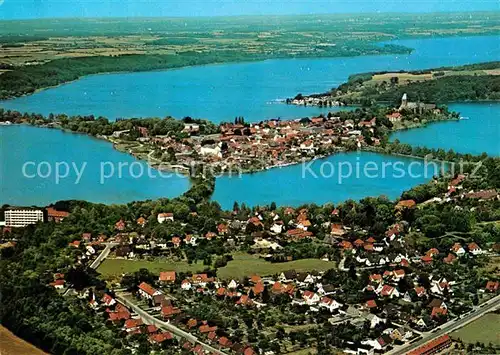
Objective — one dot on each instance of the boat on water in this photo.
(464, 118)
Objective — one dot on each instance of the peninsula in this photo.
(474, 82)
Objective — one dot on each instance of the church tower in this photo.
(404, 101)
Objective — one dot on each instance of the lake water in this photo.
(340, 177)
(221, 92)
(46, 147)
(478, 133)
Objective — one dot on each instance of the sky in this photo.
(29, 9)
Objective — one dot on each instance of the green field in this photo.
(484, 330)
(247, 265)
(242, 265)
(115, 267)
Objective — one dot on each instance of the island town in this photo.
(240, 147)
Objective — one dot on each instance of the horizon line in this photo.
(358, 14)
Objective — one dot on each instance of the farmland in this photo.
(246, 265)
(484, 330)
(12, 345)
(241, 266)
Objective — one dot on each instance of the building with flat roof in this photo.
(21, 217)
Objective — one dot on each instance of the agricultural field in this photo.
(111, 268)
(243, 265)
(246, 265)
(34, 42)
(12, 345)
(484, 330)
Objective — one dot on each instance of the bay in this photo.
(31, 157)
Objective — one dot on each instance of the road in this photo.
(104, 254)
(149, 319)
(446, 328)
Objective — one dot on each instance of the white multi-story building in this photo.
(21, 217)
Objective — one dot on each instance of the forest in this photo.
(475, 82)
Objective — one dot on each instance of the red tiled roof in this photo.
(52, 212)
(258, 288)
(159, 338)
(169, 311)
(387, 290)
(221, 291)
(406, 204)
(436, 311)
(371, 304)
(132, 323)
(167, 276)
(205, 328)
(223, 341)
(430, 346)
(147, 288)
(492, 286)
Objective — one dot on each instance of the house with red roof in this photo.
(167, 277)
(458, 249)
(438, 312)
(55, 215)
(223, 229)
(141, 221)
(474, 249)
(492, 286)
(389, 291)
(329, 303)
(169, 311)
(163, 217)
(120, 225)
(405, 204)
(245, 301)
(371, 304)
(225, 342)
(161, 337)
(107, 300)
(450, 259)
(176, 241)
(147, 291)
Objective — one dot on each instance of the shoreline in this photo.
(248, 60)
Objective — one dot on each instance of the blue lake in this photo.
(479, 132)
(340, 177)
(221, 92)
(46, 147)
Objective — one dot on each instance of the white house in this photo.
(474, 249)
(330, 304)
(458, 249)
(374, 320)
(211, 151)
(147, 291)
(233, 284)
(310, 297)
(186, 285)
(162, 217)
(277, 228)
